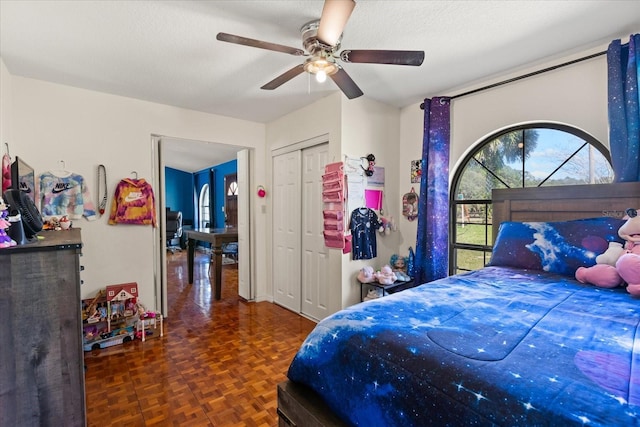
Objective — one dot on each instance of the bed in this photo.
(519, 342)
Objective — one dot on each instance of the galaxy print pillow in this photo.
(556, 247)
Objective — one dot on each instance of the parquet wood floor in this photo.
(218, 363)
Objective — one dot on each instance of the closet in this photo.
(41, 357)
(300, 258)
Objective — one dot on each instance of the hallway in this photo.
(217, 365)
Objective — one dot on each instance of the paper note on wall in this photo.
(355, 195)
(353, 166)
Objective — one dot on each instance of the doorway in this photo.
(165, 147)
(231, 200)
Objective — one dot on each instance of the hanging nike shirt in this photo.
(67, 195)
(133, 203)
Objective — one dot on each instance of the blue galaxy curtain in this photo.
(432, 244)
(624, 116)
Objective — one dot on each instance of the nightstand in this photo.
(396, 286)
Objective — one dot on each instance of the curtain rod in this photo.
(534, 73)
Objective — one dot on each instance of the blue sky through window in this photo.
(554, 147)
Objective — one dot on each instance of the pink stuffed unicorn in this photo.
(618, 265)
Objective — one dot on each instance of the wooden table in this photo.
(215, 236)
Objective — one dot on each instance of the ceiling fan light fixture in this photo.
(321, 67)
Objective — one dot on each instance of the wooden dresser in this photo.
(41, 358)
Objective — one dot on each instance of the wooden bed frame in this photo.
(563, 203)
(300, 406)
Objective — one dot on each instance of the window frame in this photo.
(455, 203)
(204, 205)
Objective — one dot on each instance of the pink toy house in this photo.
(121, 301)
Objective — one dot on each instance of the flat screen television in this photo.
(23, 178)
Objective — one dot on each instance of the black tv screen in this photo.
(23, 178)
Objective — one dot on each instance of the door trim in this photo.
(159, 248)
(301, 145)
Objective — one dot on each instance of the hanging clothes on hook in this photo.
(133, 203)
(61, 171)
(64, 193)
(363, 225)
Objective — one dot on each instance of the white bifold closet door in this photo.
(286, 230)
(300, 258)
(315, 255)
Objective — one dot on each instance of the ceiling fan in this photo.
(321, 40)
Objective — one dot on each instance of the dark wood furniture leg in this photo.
(191, 248)
(217, 274)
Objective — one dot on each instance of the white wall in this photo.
(52, 122)
(355, 128)
(369, 126)
(6, 109)
(321, 118)
(575, 95)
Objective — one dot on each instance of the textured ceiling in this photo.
(166, 51)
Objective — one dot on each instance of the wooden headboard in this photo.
(563, 202)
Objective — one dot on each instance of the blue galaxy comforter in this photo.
(497, 346)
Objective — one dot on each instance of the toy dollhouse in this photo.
(121, 303)
(109, 318)
(116, 316)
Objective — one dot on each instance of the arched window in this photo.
(203, 205)
(232, 188)
(533, 155)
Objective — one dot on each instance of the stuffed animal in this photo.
(398, 263)
(618, 265)
(366, 275)
(611, 255)
(386, 225)
(399, 267)
(386, 276)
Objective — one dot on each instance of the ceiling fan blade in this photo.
(335, 14)
(224, 37)
(284, 77)
(346, 84)
(396, 57)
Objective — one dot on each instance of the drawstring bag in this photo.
(410, 205)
